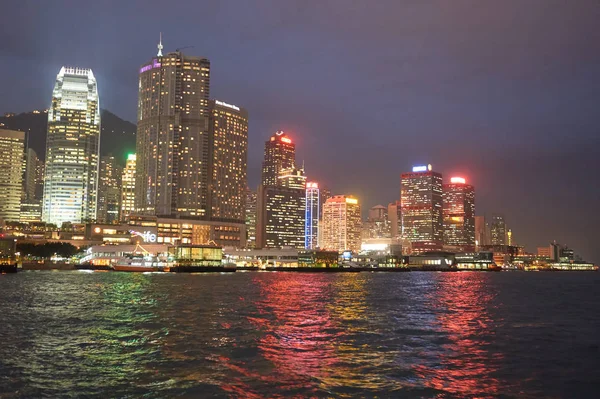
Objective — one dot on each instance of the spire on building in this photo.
(160, 46)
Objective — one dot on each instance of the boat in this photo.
(141, 261)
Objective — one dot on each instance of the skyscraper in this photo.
(72, 148)
(459, 214)
(29, 176)
(498, 230)
(172, 148)
(128, 187)
(341, 225)
(421, 209)
(395, 218)
(228, 151)
(109, 190)
(482, 231)
(377, 224)
(251, 204)
(311, 234)
(12, 150)
(280, 153)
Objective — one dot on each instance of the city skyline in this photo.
(504, 178)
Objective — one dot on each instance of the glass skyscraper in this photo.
(72, 148)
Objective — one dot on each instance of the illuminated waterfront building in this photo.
(251, 204)
(311, 234)
(12, 150)
(228, 161)
(341, 224)
(280, 153)
(128, 187)
(459, 214)
(72, 148)
(109, 190)
(421, 209)
(498, 230)
(172, 148)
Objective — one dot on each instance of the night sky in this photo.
(505, 93)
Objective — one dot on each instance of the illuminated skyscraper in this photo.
(251, 204)
(395, 218)
(498, 230)
(280, 153)
(421, 209)
(12, 151)
(72, 148)
(311, 234)
(109, 190)
(228, 151)
(459, 214)
(128, 187)
(341, 224)
(172, 148)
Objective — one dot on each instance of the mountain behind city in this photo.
(117, 136)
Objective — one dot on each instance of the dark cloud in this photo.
(505, 92)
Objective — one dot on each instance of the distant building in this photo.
(377, 224)
(251, 203)
(12, 150)
(128, 187)
(324, 195)
(109, 190)
(313, 207)
(459, 214)
(228, 161)
(421, 209)
(482, 231)
(72, 149)
(30, 174)
(395, 218)
(280, 217)
(498, 230)
(280, 153)
(341, 225)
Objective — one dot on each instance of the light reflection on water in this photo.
(285, 334)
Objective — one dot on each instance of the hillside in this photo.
(117, 136)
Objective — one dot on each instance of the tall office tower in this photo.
(109, 190)
(29, 175)
(280, 153)
(228, 149)
(39, 179)
(172, 147)
(341, 225)
(311, 217)
(281, 211)
(459, 214)
(395, 219)
(498, 230)
(421, 209)
(128, 187)
(377, 224)
(324, 194)
(72, 148)
(251, 203)
(482, 231)
(12, 151)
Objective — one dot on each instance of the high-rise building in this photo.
(109, 190)
(251, 204)
(280, 153)
(72, 148)
(128, 187)
(172, 148)
(228, 161)
(280, 217)
(395, 218)
(39, 180)
(12, 151)
(311, 234)
(482, 231)
(377, 224)
(29, 175)
(498, 230)
(459, 214)
(341, 224)
(421, 204)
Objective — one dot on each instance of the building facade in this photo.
(251, 208)
(311, 216)
(109, 190)
(128, 187)
(498, 230)
(12, 152)
(72, 148)
(341, 224)
(280, 217)
(421, 209)
(172, 141)
(228, 161)
(280, 153)
(459, 214)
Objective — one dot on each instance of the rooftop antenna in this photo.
(160, 46)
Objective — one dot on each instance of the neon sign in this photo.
(421, 168)
(147, 236)
(223, 104)
(459, 180)
(155, 64)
